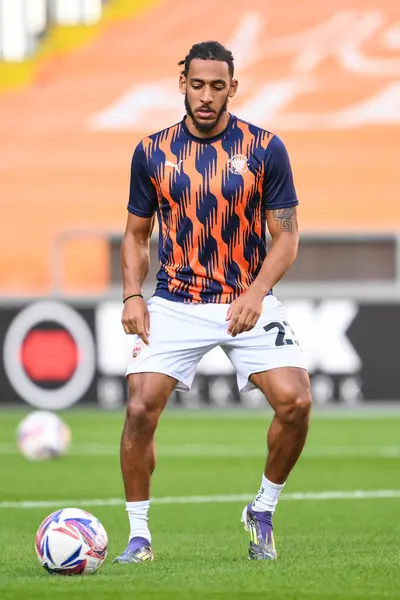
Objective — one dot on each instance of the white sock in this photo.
(267, 497)
(138, 517)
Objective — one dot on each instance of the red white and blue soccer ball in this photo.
(42, 435)
(71, 542)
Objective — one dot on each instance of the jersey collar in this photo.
(207, 140)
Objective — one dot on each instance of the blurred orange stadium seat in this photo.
(323, 75)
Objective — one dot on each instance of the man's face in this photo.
(207, 88)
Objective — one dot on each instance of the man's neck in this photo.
(219, 127)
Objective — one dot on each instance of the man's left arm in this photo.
(280, 201)
(282, 225)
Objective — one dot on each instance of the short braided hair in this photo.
(208, 51)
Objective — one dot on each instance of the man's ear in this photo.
(182, 83)
(233, 88)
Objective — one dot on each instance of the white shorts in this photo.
(180, 335)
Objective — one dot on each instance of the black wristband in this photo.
(132, 296)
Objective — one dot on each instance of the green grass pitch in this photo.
(329, 548)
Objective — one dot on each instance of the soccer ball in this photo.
(71, 541)
(43, 435)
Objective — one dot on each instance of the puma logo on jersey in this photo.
(173, 165)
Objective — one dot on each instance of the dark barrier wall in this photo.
(55, 354)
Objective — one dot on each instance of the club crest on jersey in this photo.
(137, 350)
(238, 164)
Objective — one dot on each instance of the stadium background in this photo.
(91, 81)
(80, 83)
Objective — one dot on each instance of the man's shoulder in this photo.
(162, 134)
(269, 140)
(255, 128)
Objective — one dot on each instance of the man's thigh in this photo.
(283, 385)
(179, 337)
(153, 388)
(272, 344)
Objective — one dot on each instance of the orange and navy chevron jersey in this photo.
(211, 197)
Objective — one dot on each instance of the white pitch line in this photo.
(329, 495)
(228, 451)
(380, 410)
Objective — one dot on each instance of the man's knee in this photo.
(148, 395)
(143, 412)
(295, 407)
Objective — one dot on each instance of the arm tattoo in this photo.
(286, 219)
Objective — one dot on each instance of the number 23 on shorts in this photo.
(285, 335)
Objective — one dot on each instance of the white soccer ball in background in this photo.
(71, 541)
(43, 435)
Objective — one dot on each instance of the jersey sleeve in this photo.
(142, 193)
(278, 188)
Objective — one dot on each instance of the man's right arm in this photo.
(136, 253)
(135, 266)
(136, 244)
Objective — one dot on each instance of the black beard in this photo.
(205, 127)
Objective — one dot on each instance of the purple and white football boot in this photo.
(259, 524)
(138, 550)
